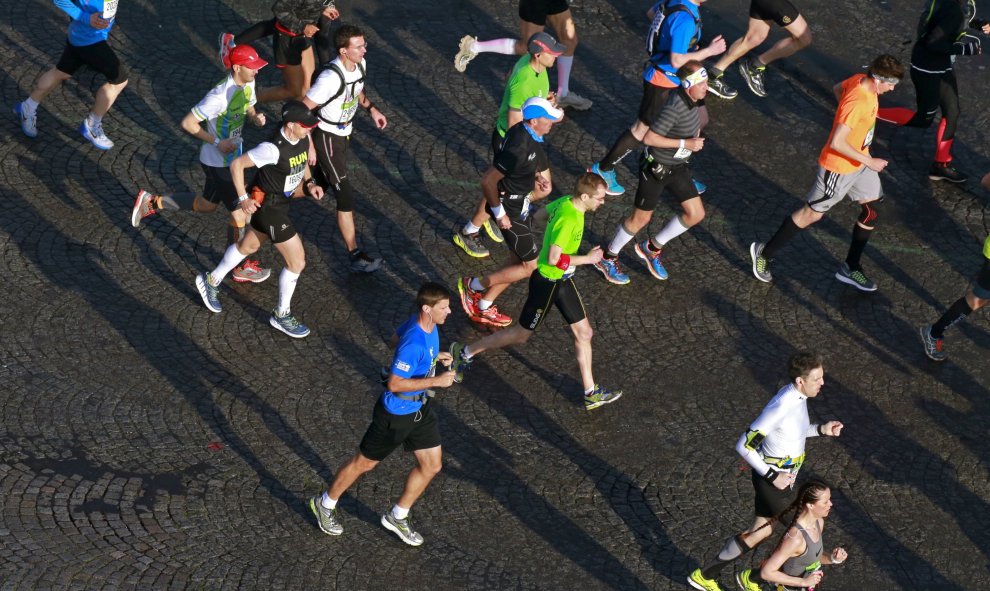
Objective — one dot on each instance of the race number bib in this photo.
(109, 9)
(292, 181)
(682, 153)
(348, 109)
(869, 137)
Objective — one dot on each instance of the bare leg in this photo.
(756, 32)
(800, 37)
(106, 96)
(348, 474)
(428, 464)
(48, 82)
(582, 348)
(514, 335)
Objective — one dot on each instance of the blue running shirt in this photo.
(415, 357)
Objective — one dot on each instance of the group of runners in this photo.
(306, 155)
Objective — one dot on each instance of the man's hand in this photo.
(311, 156)
(228, 145)
(543, 184)
(258, 119)
(716, 47)
(876, 164)
(310, 30)
(331, 13)
(504, 222)
(98, 22)
(695, 144)
(832, 428)
(249, 206)
(445, 358)
(783, 480)
(446, 379)
(316, 191)
(594, 255)
(379, 118)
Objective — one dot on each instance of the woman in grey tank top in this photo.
(797, 560)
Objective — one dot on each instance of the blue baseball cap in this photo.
(537, 107)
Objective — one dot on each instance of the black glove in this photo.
(968, 46)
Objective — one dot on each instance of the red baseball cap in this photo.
(245, 55)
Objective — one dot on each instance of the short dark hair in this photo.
(802, 363)
(430, 294)
(342, 38)
(587, 184)
(689, 67)
(886, 66)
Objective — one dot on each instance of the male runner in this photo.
(672, 41)
(223, 109)
(527, 79)
(519, 176)
(335, 97)
(86, 45)
(533, 17)
(403, 415)
(774, 448)
(282, 175)
(673, 137)
(553, 284)
(845, 167)
(761, 14)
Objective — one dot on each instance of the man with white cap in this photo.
(519, 175)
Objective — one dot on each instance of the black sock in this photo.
(957, 312)
(714, 72)
(787, 230)
(626, 143)
(255, 32)
(860, 237)
(178, 201)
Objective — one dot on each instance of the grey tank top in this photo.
(810, 561)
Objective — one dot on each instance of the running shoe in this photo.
(612, 183)
(29, 123)
(402, 528)
(250, 272)
(574, 101)
(753, 76)
(469, 297)
(492, 317)
(226, 42)
(325, 518)
(493, 231)
(471, 243)
(612, 271)
(721, 88)
(699, 582)
(856, 278)
(600, 397)
(742, 579)
(761, 266)
(95, 135)
(699, 186)
(142, 207)
(652, 260)
(934, 348)
(943, 171)
(459, 363)
(465, 53)
(362, 262)
(289, 325)
(209, 292)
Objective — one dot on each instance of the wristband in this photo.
(242, 198)
(564, 262)
(498, 211)
(682, 145)
(370, 106)
(216, 142)
(820, 432)
(771, 475)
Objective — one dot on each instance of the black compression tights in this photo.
(936, 91)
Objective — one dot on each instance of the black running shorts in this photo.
(545, 292)
(676, 179)
(331, 154)
(219, 188)
(781, 12)
(654, 98)
(289, 49)
(419, 430)
(536, 11)
(770, 500)
(99, 57)
(982, 287)
(272, 218)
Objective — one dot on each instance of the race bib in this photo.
(292, 181)
(869, 137)
(682, 153)
(348, 109)
(109, 9)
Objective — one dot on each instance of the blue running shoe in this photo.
(612, 271)
(699, 186)
(613, 188)
(289, 325)
(209, 292)
(652, 260)
(29, 123)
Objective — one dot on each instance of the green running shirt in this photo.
(565, 228)
(524, 83)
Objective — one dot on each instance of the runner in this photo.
(282, 175)
(223, 109)
(774, 448)
(845, 167)
(671, 41)
(335, 97)
(534, 15)
(941, 37)
(518, 177)
(403, 415)
(761, 14)
(673, 137)
(86, 45)
(553, 284)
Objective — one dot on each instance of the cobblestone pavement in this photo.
(146, 443)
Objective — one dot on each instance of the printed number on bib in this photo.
(682, 153)
(292, 181)
(869, 138)
(109, 9)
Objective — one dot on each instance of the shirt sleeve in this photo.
(506, 160)
(211, 106)
(948, 20)
(70, 8)
(407, 358)
(665, 121)
(263, 154)
(763, 425)
(327, 84)
(682, 31)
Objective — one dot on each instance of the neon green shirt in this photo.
(565, 228)
(986, 247)
(524, 83)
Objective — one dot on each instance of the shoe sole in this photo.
(312, 507)
(274, 323)
(261, 279)
(753, 256)
(222, 45)
(465, 298)
(745, 74)
(739, 582)
(201, 287)
(609, 279)
(388, 525)
(456, 361)
(575, 107)
(695, 585)
(82, 132)
(924, 343)
(461, 60)
(491, 233)
(136, 210)
(368, 268)
(603, 402)
(608, 188)
(942, 178)
(460, 242)
(20, 118)
(850, 281)
(720, 95)
(649, 265)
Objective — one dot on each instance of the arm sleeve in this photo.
(763, 425)
(70, 8)
(263, 154)
(939, 38)
(812, 430)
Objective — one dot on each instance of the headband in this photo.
(695, 78)
(886, 79)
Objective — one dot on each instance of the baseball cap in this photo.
(537, 107)
(297, 112)
(245, 55)
(543, 42)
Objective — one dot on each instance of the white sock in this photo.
(564, 65)
(286, 285)
(30, 106)
(92, 120)
(484, 304)
(503, 46)
(621, 239)
(231, 259)
(327, 502)
(467, 355)
(399, 513)
(476, 285)
(470, 228)
(673, 229)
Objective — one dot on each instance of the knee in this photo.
(868, 215)
(296, 265)
(583, 334)
(693, 216)
(986, 181)
(432, 468)
(201, 205)
(754, 38)
(804, 39)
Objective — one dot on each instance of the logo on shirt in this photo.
(402, 365)
(531, 157)
(787, 20)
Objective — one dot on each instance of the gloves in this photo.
(968, 46)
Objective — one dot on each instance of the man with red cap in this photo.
(223, 111)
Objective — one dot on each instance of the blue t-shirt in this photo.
(415, 357)
(679, 33)
(80, 32)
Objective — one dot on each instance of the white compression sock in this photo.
(286, 285)
(503, 46)
(564, 65)
(231, 259)
(673, 229)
